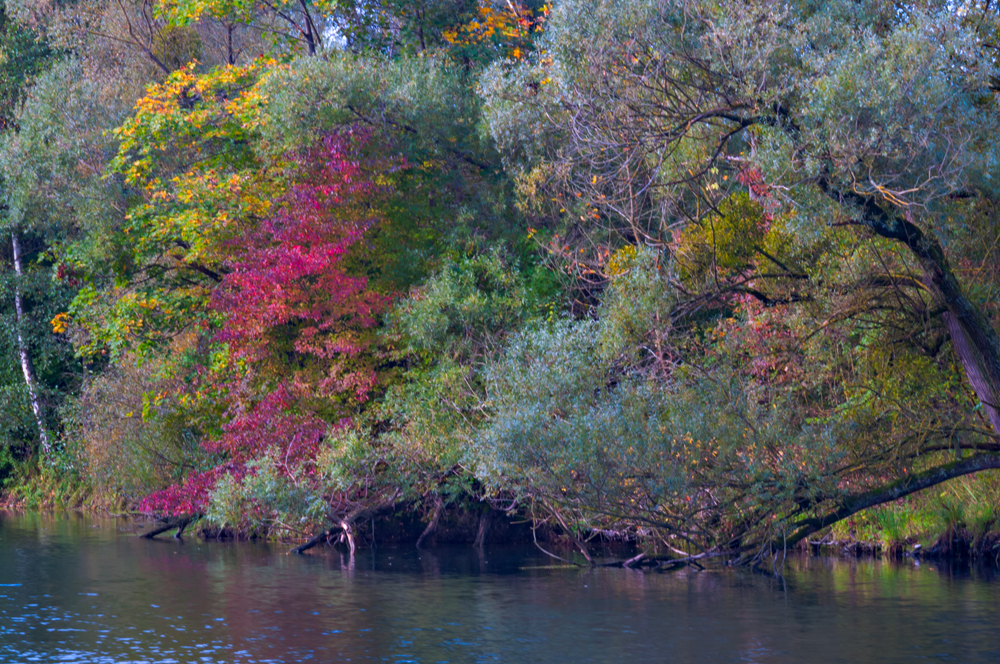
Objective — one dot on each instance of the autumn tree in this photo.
(291, 335)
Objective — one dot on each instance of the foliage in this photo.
(23, 56)
(602, 445)
(509, 28)
(292, 324)
(710, 277)
(266, 495)
(416, 447)
(46, 487)
(285, 293)
(420, 108)
(134, 435)
(57, 370)
(185, 151)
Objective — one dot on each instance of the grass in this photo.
(51, 484)
(963, 510)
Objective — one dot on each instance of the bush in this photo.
(264, 500)
(134, 436)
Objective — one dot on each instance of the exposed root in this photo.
(485, 521)
(435, 519)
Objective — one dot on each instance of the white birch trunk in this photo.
(22, 347)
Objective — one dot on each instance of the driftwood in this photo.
(169, 523)
(313, 541)
(673, 564)
(346, 533)
(635, 561)
(662, 562)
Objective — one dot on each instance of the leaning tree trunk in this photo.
(894, 491)
(976, 343)
(981, 367)
(22, 349)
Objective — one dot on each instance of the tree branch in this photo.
(894, 491)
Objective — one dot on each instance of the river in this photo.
(82, 589)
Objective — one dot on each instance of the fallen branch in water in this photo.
(632, 562)
(325, 535)
(674, 564)
(635, 561)
(169, 523)
(346, 525)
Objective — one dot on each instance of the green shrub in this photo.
(951, 514)
(265, 501)
(893, 523)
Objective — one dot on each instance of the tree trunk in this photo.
(178, 522)
(22, 348)
(309, 31)
(985, 380)
(976, 343)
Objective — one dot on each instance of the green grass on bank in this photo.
(966, 509)
(52, 484)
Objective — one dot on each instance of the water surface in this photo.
(80, 589)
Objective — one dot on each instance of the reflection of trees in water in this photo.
(218, 599)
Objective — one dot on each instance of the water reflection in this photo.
(78, 589)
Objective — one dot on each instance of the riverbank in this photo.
(957, 521)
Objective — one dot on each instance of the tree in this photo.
(23, 57)
(292, 325)
(235, 176)
(802, 170)
(476, 32)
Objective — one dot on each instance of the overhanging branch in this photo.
(894, 491)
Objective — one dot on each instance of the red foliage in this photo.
(272, 422)
(294, 321)
(287, 270)
(191, 496)
(70, 275)
(765, 340)
(759, 190)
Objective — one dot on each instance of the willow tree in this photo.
(816, 181)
